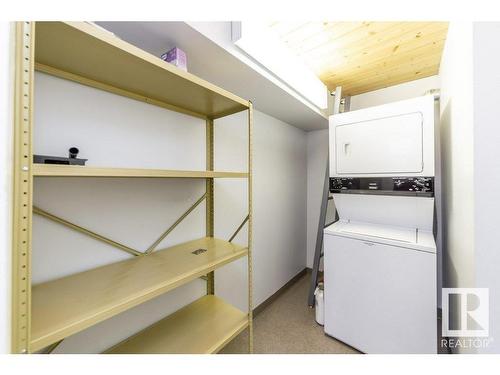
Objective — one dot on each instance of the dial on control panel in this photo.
(423, 184)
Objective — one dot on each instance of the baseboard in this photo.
(279, 292)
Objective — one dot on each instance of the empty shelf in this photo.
(87, 54)
(202, 327)
(53, 170)
(68, 305)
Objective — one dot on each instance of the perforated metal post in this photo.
(210, 195)
(23, 187)
(250, 226)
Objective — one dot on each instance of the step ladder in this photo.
(323, 223)
(325, 201)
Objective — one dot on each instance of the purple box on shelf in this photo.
(177, 57)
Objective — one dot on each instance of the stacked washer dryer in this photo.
(380, 256)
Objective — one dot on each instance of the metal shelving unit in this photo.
(44, 314)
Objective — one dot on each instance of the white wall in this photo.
(279, 206)
(317, 147)
(486, 167)
(280, 209)
(394, 93)
(6, 158)
(114, 131)
(457, 156)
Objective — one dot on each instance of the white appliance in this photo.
(380, 256)
(396, 139)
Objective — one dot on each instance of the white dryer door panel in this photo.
(384, 145)
(380, 298)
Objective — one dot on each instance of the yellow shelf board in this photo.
(87, 54)
(68, 305)
(202, 327)
(54, 170)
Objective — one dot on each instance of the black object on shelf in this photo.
(70, 160)
(73, 152)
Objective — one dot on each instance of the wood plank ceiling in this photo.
(366, 56)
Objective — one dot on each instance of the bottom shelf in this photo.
(204, 326)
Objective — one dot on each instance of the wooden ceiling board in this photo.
(393, 41)
(382, 78)
(357, 37)
(391, 80)
(403, 61)
(366, 56)
(397, 75)
(381, 51)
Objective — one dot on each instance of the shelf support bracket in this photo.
(177, 222)
(239, 228)
(80, 229)
(53, 347)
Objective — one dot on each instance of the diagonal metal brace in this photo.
(172, 227)
(80, 229)
(239, 228)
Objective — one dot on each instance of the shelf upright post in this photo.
(250, 225)
(209, 134)
(23, 187)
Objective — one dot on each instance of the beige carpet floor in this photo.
(287, 325)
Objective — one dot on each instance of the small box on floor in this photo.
(177, 57)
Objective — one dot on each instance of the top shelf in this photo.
(84, 53)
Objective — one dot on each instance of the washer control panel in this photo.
(424, 184)
(383, 185)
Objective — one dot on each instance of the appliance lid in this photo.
(388, 232)
(410, 238)
(400, 211)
